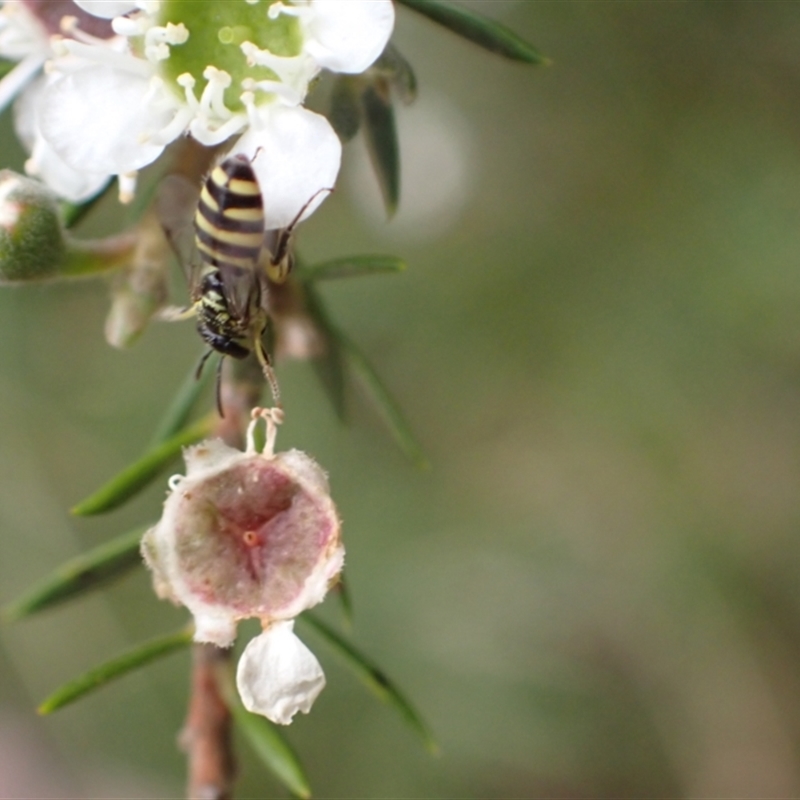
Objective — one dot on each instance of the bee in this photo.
(226, 261)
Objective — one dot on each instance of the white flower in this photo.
(246, 72)
(25, 38)
(251, 535)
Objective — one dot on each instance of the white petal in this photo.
(296, 154)
(278, 675)
(25, 122)
(104, 119)
(218, 629)
(348, 35)
(107, 9)
(71, 184)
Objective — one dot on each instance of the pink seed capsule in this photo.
(245, 535)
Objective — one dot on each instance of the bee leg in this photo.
(176, 313)
(269, 373)
(218, 390)
(199, 371)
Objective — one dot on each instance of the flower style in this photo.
(251, 534)
(214, 70)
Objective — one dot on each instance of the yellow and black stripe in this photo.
(229, 221)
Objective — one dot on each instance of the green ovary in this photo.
(216, 30)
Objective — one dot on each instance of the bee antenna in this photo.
(285, 236)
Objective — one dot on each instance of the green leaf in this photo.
(352, 267)
(116, 668)
(139, 474)
(177, 415)
(380, 134)
(82, 574)
(345, 111)
(73, 213)
(273, 750)
(342, 589)
(480, 30)
(6, 66)
(374, 678)
(399, 428)
(393, 65)
(330, 365)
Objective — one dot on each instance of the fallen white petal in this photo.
(348, 35)
(103, 120)
(278, 675)
(295, 154)
(107, 9)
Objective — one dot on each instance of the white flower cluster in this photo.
(109, 103)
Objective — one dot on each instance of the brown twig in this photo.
(206, 736)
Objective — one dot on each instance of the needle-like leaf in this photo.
(330, 365)
(342, 589)
(177, 415)
(139, 474)
(352, 267)
(273, 750)
(104, 673)
(394, 65)
(79, 575)
(398, 426)
(374, 678)
(380, 132)
(480, 30)
(73, 213)
(345, 110)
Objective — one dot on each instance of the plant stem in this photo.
(207, 734)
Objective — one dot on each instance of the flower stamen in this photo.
(276, 9)
(99, 55)
(20, 76)
(213, 98)
(127, 186)
(187, 82)
(272, 418)
(158, 39)
(290, 95)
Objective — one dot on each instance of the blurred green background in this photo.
(594, 591)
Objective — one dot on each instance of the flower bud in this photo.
(249, 534)
(32, 245)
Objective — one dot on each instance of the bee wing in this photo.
(175, 206)
(243, 289)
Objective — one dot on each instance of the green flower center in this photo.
(217, 28)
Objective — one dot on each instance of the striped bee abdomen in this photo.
(229, 221)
